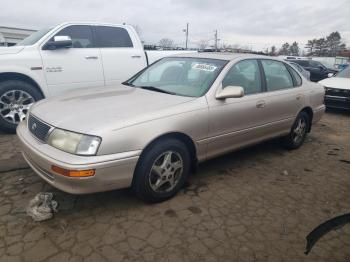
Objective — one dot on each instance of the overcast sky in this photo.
(255, 24)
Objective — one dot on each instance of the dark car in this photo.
(317, 70)
(301, 70)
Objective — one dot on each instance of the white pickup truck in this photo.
(67, 57)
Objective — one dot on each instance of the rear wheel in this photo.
(16, 97)
(162, 171)
(297, 135)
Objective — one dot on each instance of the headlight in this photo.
(74, 143)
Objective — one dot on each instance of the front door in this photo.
(77, 67)
(235, 122)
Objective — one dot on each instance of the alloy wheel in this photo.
(299, 130)
(14, 105)
(166, 172)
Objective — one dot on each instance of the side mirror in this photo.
(58, 42)
(330, 74)
(230, 92)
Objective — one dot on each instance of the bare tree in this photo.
(166, 43)
(273, 51)
(285, 49)
(331, 45)
(203, 43)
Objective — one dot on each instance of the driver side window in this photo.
(81, 35)
(245, 74)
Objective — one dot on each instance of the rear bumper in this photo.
(111, 172)
(337, 102)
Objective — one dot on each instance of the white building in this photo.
(12, 35)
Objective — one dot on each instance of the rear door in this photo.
(76, 67)
(121, 56)
(284, 96)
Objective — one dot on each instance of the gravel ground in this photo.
(257, 204)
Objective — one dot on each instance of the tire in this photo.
(154, 181)
(298, 132)
(15, 99)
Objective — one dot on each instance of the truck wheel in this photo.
(161, 171)
(297, 135)
(16, 97)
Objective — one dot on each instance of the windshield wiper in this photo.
(152, 88)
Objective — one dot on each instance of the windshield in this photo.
(345, 73)
(180, 76)
(33, 38)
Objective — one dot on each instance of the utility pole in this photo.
(216, 40)
(186, 31)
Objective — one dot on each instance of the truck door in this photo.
(77, 67)
(121, 56)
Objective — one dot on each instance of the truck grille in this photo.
(38, 128)
(337, 92)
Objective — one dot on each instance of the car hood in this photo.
(336, 82)
(93, 109)
(10, 50)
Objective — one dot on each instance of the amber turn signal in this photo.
(73, 173)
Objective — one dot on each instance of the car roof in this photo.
(222, 56)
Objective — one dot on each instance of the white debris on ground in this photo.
(285, 173)
(42, 207)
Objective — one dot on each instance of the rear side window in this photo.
(81, 35)
(245, 74)
(277, 75)
(296, 76)
(107, 36)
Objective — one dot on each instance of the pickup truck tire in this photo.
(298, 132)
(16, 97)
(161, 171)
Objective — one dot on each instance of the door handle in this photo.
(135, 56)
(91, 57)
(260, 104)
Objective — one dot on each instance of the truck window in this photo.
(107, 36)
(81, 35)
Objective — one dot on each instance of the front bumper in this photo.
(111, 171)
(340, 102)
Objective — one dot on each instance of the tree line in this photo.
(331, 45)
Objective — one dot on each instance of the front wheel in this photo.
(162, 171)
(297, 135)
(16, 97)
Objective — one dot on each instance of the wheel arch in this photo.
(20, 77)
(186, 139)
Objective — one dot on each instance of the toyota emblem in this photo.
(34, 126)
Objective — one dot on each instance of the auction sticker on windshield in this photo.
(204, 67)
